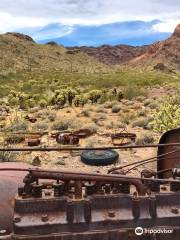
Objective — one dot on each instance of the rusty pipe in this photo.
(58, 149)
(64, 176)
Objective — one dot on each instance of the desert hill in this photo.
(19, 52)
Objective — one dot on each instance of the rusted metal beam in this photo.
(59, 149)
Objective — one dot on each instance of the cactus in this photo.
(95, 95)
(79, 100)
(167, 116)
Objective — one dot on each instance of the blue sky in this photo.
(92, 23)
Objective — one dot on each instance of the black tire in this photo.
(99, 157)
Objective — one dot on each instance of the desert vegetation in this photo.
(48, 88)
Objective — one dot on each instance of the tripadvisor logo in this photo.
(140, 231)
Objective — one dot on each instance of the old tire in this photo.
(99, 157)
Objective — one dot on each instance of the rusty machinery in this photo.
(123, 138)
(68, 205)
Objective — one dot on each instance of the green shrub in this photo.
(14, 139)
(141, 122)
(140, 98)
(36, 161)
(42, 126)
(61, 125)
(128, 118)
(116, 108)
(34, 110)
(52, 116)
(85, 113)
(153, 105)
(131, 92)
(71, 94)
(99, 117)
(91, 126)
(18, 126)
(7, 157)
(43, 103)
(145, 139)
(101, 109)
(79, 100)
(95, 95)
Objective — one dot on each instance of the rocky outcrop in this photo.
(20, 36)
(112, 55)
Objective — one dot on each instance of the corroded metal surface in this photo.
(168, 161)
(123, 138)
(9, 183)
(67, 139)
(88, 206)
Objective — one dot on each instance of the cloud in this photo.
(166, 26)
(132, 32)
(10, 23)
(22, 13)
(50, 31)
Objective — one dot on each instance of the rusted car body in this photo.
(59, 205)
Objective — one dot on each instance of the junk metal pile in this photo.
(69, 205)
(33, 139)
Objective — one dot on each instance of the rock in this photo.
(21, 36)
(177, 31)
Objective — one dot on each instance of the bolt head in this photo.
(175, 210)
(17, 219)
(111, 214)
(44, 218)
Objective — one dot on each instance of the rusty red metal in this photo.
(67, 139)
(123, 138)
(34, 140)
(9, 183)
(79, 201)
(168, 161)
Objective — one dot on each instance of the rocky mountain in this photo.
(18, 51)
(162, 55)
(112, 55)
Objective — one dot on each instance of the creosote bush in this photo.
(61, 125)
(116, 108)
(7, 157)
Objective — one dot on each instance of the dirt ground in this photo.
(103, 120)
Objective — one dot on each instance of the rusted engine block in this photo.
(107, 208)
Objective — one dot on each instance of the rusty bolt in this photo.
(44, 218)
(17, 219)
(47, 192)
(164, 188)
(111, 214)
(174, 210)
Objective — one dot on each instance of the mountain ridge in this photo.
(17, 49)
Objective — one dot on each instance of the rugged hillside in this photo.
(163, 55)
(112, 54)
(20, 52)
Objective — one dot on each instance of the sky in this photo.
(91, 22)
